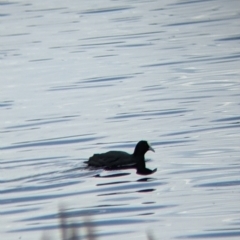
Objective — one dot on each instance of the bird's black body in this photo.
(123, 160)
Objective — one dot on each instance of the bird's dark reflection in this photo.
(146, 179)
(111, 183)
(127, 192)
(147, 190)
(140, 167)
(120, 182)
(112, 175)
(126, 187)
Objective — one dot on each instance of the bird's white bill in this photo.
(150, 148)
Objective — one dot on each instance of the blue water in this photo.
(79, 78)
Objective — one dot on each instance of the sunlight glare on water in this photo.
(78, 78)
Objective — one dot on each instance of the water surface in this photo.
(80, 78)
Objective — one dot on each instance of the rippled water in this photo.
(81, 77)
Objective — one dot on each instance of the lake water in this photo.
(81, 77)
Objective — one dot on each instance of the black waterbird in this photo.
(113, 160)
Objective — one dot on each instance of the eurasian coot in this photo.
(123, 160)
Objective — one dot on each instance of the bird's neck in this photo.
(139, 154)
(141, 163)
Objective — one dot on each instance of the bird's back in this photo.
(111, 159)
